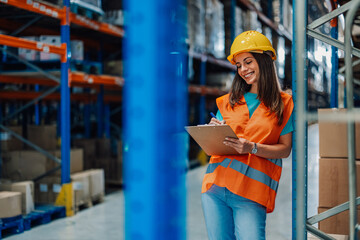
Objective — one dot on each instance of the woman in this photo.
(239, 190)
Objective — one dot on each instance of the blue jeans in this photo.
(229, 216)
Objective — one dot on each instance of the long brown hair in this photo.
(269, 91)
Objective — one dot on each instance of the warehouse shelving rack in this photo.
(301, 223)
(66, 78)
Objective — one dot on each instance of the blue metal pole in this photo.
(155, 103)
(334, 68)
(65, 100)
(100, 112)
(37, 108)
(58, 119)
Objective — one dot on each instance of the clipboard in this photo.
(210, 138)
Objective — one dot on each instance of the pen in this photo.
(213, 115)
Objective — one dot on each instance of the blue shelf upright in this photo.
(154, 116)
(65, 99)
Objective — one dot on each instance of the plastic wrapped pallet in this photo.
(214, 28)
(196, 25)
(81, 187)
(96, 183)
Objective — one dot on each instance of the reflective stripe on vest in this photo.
(248, 171)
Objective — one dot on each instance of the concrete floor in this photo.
(105, 220)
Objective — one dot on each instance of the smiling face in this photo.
(248, 69)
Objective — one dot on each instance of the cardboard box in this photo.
(96, 182)
(89, 151)
(26, 189)
(76, 160)
(333, 137)
(53, 40)
(9, 142)
(337, 224)
(333, 181)
(336, 236)
(47, 189)
(10, 204)
(27, 165)
(44, 136)
(24, 165)
(81, 186)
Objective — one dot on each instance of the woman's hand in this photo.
(215, 121)
(241, 145)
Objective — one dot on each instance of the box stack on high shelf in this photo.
(31, 57)
(212, 25)
(333, 171)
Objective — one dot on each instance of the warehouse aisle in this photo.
(105, 220)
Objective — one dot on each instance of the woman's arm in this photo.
(279, 150)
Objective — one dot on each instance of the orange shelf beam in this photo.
(75, 79)
(33, 45)
(98, 26)
(37, 7)
(89, 79)
(48, 10)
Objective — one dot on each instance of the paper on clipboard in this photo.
(211, 137)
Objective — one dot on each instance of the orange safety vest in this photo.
(247, 175)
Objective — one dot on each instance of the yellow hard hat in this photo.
(250, 41)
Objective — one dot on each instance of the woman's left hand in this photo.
(241, 145)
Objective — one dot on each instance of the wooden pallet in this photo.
(84, 204)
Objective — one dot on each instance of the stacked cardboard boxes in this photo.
(333, 171)
(98, 154)
(88, 186)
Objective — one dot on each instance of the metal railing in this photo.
(302, 224)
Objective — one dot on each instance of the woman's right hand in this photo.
(215, 121)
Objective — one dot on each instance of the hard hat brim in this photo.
(264, 49)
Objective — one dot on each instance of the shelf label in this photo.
(36, 5)
(43, 187)
(5, 1)
(46, 49)
(29, 2)
(39, 45)
(119, 81)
